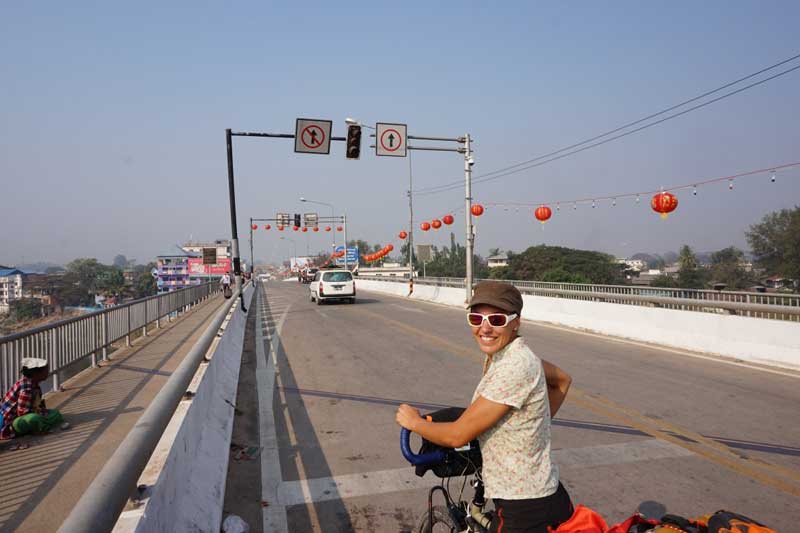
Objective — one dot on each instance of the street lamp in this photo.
(354, 122)
(305, 200)
(295, 249)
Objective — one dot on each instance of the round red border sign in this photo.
(321, 136)
(399, 143)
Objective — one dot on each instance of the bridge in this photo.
(186, 409)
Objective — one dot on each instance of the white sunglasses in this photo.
(496, 320)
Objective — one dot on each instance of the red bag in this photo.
(583, 520)
(634, 520)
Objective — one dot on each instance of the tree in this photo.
(727, 266)
(494, 251)
(26, 309)
(690, 274)
(775, 242)
(110, 280)
(663, 280)
(536, 261)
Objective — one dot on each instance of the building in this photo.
(497, 261)
(637, 265)
(172, 271)
(223, 248)
(388, 270)
(10, 287)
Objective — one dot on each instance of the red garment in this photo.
(18, 401)
(583, 520)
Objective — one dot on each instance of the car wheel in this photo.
(352, 300)
(311, 296)
(319, 300)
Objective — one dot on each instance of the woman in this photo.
(23, 410)
(510, 415)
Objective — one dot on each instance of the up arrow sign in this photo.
(390, 139)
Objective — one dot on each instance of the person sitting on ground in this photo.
(23, 410)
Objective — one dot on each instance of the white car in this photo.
(333, 284)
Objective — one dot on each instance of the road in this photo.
(642, 428)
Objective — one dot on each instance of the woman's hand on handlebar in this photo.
(408, 417)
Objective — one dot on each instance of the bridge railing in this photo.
(754, 304)
(67, 342)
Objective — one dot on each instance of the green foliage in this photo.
(26, 309)
(727, 266)
(775, 242)
(691, 275)
(561, 263)
(663, 281)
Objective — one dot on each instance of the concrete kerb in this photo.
(760, 341)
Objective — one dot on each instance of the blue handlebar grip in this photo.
(422, 459)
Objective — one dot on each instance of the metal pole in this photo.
(410, 220)
(344, 223)
(237, 265)
(468, 206)
(251, 245)
(333, 244)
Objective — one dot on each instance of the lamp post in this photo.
(305, 200)
(295, 249)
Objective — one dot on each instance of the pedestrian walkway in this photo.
(39, 485)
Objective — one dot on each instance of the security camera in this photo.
(471, 161)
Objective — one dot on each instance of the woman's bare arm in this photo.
(558, 383)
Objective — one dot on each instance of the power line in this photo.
(525, 165)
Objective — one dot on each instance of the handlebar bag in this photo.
(458, 462)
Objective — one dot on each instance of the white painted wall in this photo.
(757, 340)
(190, 490)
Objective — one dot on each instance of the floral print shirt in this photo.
(516, 452)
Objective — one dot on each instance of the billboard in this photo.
(197, 268)
(297, 263)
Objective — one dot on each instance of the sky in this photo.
(113, 118)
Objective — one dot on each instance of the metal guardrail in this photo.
(68, 341)
(752, 304)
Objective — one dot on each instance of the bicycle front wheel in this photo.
(442, 521)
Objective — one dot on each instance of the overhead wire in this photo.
(537, 161)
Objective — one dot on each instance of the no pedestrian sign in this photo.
(390, 139)
(312, 136)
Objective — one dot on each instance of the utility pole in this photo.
(344, 224)
(410, 220)
(468, 162)
(237, 265)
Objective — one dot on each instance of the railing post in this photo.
(144, 328)
(54, 357)
(158, 313)
(105, 336)
(94, 340)
(128, 330)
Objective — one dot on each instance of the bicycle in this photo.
(459, 516)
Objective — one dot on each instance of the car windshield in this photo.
(337, 276)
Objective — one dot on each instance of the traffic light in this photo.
(353, 142)
(297, 222)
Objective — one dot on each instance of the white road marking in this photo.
(408, 308)
(307, 491)
(274, 516)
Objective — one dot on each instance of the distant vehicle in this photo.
(337, 284)
(307, 274)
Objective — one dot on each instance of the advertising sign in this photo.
(197, 268)
(296, 263)
(209, 256)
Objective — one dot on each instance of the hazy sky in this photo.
(112, 119)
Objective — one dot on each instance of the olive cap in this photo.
(497, 294)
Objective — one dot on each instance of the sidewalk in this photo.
(40, 485)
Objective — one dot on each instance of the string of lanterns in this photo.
(304, 229)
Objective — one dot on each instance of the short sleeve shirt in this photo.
(516, 451)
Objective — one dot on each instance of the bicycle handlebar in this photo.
(418, 459)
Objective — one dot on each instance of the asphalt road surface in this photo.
(643, 428)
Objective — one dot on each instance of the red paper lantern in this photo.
(403, 235)
(448, 219)
(280, 228)
(296, 228)
(316, 228)
(424, 226)
(543, 213)
(327, 228)
(477, 210)
(390, 247)
(664, 203)
(254, 226)
(338, 228)
(436, 223)
(267, 227)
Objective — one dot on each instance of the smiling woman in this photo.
(510, 415)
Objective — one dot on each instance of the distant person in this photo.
(226, 281)
(410, 287)
(23, 410)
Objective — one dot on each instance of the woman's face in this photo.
(491, 339)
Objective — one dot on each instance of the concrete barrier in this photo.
(757, 340)
(190, 490)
